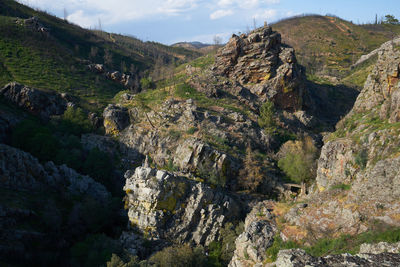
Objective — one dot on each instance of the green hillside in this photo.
(329, 45)
(58, 61)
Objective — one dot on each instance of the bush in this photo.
(36, 139)
(75, 121)
(299, 160)
(361, 158)
(147, 83)
(266, 119)
(179, 256)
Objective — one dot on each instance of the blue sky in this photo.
(170, 21)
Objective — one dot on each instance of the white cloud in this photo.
(266, 14)
(246, 3)
(221, 13)
(85, 12)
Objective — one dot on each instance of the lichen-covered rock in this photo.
(37, 102)
(261, 63)
(257, 236)
(126, 80)
(116, 118)
(298, 257)
(172, 208)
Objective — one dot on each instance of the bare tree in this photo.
(254, 23)
(65, 14)
(217, 40)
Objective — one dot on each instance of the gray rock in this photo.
(298, 257)
(116, 118)
(380, 247)
(37, 102)
(168, 207)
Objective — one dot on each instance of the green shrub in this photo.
(278, 244)
(266, 119)
(147, 83)
(179, 256)
(75, 121)
(36, 139)
(361, 158)
(192, 130)
(341, 186)
(299, 160)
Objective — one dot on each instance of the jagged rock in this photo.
(298, 257)
(261, 63)
(358, 178)
(124, 79)
(37, 102)
(116, 118)
(256, 238)
(96, 121)
(34, 24)
(172, 208)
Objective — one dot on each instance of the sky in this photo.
(171, 21)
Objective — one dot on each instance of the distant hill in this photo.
(197, 46)
(328, 45)
(57, 59)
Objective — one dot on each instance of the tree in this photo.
(390, 19)
(217, 40)
(298, 160)
(251, 175)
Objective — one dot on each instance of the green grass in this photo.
(332, 44)
(341, 187)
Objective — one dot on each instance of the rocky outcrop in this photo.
(164, 206)
(21, 171)
(358, 179)
(126, 80)
(34, 24)
(258, 235)
(261, 63)
(380, 247)
(381, 90)
(116, 118)
(44, 207)
(382, 48)
(298, 257)
(37, 102)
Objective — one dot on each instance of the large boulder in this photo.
(168, 207)
(116, 118)
(257, 236)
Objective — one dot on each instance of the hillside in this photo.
(53, 54)
(118, 152)
(329, 45)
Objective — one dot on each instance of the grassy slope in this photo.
(330, 45)
(56, 62)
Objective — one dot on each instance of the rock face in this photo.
(179, 135)
(37, 102)
(261, 63)
(168, 207)
(44, 207)
(21, 171)
(256, 238)
(358, 176)
(298, 257)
